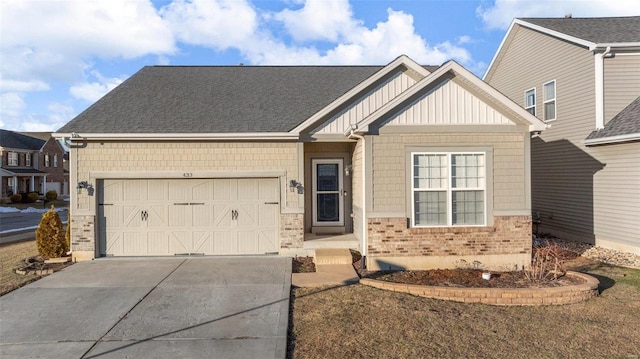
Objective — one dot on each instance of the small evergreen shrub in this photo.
(16, 198)
(67, 234)
(50, 237)
(32, 197)
(51, 195)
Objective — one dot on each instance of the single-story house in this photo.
(424, 166)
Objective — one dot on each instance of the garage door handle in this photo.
(234, 215)
(144, 215)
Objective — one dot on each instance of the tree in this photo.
(50, 236)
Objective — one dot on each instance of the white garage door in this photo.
(189, 216)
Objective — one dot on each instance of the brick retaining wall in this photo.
(500, 296)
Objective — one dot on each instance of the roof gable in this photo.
(15, 140)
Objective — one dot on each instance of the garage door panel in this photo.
(166, 217)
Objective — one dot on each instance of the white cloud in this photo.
(327, 20)
(218, 24)
(12, 105)
(500, 13)
(93, 91)
(22, 86)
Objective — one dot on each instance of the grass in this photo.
(358, 322)
(12, 255)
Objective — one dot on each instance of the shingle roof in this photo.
(10, 139)
(596, 29)
(626, 122)
(217, 99)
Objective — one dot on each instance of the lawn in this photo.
(12, 255)
(362, 322)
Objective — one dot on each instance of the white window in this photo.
(47, 160)
(55, 160)
(448, 189)
(549, 90)
(530, 101)
(27, 159)
(13, 158)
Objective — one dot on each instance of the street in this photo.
(13, 221)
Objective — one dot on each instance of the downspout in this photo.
(599, 84)
(363, 246)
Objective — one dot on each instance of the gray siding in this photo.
(621, 83)
(583, 193)
(617, 194)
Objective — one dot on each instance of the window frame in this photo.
(27, 159)
(13, 159)
(47, 160)
(533, 106)
(55, 160)
(554, 100)
(449, 188)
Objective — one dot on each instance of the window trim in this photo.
(47, 160)
(535, 99)
(27, 159)
(449, 189)
(554, 100)
(55, 160)
(13, 159)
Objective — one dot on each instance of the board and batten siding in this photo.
(184, 157)
(448, 104)
(508, 187)
(621, 82)
(368, 103)
(356, 188)
(617, 196)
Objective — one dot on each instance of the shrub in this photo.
(67, 234)
(51, 195)
(16, 198)
(547, 263)
(50, 237)
(32, 197)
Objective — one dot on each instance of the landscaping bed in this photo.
(303, 265)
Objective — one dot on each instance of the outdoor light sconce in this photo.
(347, 170)
(87, 185)
(293, 185)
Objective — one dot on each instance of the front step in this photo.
(324, 256)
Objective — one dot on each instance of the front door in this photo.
(328, 206)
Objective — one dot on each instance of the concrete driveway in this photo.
(218, 307)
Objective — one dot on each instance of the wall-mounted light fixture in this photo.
(87, 185)
(347, 170)
(295, 185)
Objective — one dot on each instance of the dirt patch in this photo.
(303, 265)
(37, 265)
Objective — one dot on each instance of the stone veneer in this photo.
(508, 238)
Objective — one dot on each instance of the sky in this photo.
(57, 57)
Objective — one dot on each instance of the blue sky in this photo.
(57, 57)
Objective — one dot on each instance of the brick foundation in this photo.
(506, 243)
(291, 230)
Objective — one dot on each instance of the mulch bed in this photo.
(303, 265)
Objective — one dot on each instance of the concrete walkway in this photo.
(152, 308)
(333, 267)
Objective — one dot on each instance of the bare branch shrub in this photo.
(547, 262)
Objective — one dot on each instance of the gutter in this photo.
(351, 134)
(612, 139)
(183, 136)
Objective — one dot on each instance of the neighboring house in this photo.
(421, 166)
(581, 76)
(31, 164)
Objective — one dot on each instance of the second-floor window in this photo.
(530, 101)
(12, 159)
(47, 160)
(27, 159)
(549, 90)
(55, 160)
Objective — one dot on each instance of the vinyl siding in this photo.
(184, 157)
(448, 103)
(617, 194)
(368, 103)
(508, 172)
(621, 83)
(581, 192)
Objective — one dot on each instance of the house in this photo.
(581, 76)
(421, 166)
(31, 164)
